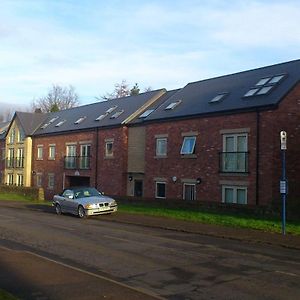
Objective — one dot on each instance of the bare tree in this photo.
(6, 115)
(58, 98)
(122, 90)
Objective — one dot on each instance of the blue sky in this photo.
(94, 44)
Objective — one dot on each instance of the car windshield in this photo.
(86, 192)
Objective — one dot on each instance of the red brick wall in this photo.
(287, 118)
(56, 166)
(206, 166)
(111, 177)
(112, 170)
(209, 144)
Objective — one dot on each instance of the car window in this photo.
(68, 194)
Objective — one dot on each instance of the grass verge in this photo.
(21, 198)
(6, 296)
(206, 217)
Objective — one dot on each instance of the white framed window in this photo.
(189, 191)
(235, 153)
(20, 158)
(85, 153)
(12, 136)
(40, 151)
(10, 178)
(21, 135)
(50, 181)
(20, 179)
(161, 146)
(160, 190)
(52, 152)
(109, 148)
(188, 145)
(39, 178)
(234, 194)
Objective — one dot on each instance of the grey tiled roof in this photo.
(195, 97)
(3, 129)
(126, 105)
(30, 121)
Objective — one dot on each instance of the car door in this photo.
(69, 203)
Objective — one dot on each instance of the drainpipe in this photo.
(257, 155)
(96, 158)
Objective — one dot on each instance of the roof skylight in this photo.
(265, 85)
(173, 105)
(60, 123)
(101, 117)
(111, 109)
(218, 98)
(81, 119)
(117, 114)
(146, 113)
(53, 119)
(45, 125)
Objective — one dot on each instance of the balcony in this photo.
(77, 162)
(234, 162)
(12, 162)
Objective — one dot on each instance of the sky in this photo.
(93, 44)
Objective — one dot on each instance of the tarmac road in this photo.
(154, 261)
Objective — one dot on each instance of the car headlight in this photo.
(89, 206)
(114, 202)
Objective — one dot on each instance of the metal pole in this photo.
(283, 195)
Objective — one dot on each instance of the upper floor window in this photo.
(234, 157)
(52, 152)
(161, 146)
(109, 151)
(12, 136)
(40, 151)
(188, 145)
(21, 135)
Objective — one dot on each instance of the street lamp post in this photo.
(283, 181)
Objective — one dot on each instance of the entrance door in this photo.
(138, 188)
(79, 181)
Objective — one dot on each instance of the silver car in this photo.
(84, 202)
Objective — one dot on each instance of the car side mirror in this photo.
(70, 197)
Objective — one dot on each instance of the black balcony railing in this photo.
(15, 162)
(234, 162)
(77, 162)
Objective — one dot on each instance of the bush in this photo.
(33, 193)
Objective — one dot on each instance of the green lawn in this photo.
(14, 197)
(225, 219)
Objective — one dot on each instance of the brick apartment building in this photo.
(214, 140)
(218, 139)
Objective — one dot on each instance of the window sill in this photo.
(109, 157)
(234, 174)
(49, 158)
(189, 156)
(160, 156)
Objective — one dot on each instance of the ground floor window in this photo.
(160, 190)
(234, 194)
(10, 179)
(50, 181)
(189, 191)
(39, 179)
(20, 179)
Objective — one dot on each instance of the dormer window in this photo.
(80, 120)
(146, 113)
(60, 123)
(173, 105)
(111, 109)
(117, 114)
(265, 85)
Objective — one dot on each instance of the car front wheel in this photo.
(58, 209)
(81, 212)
